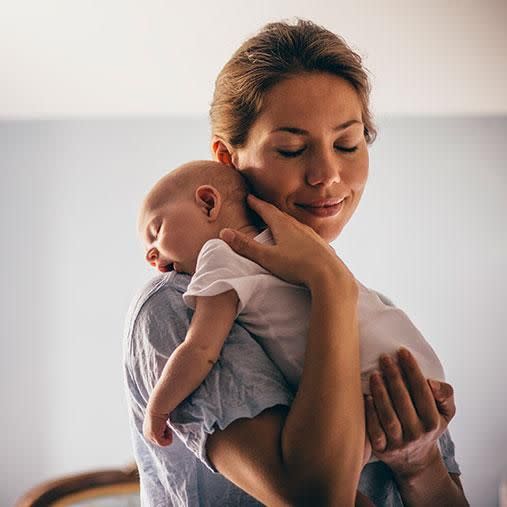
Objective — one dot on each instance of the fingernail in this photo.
(403, 352)
(227, 235)
(385, 360)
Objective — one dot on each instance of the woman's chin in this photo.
(328, 235)
(325, 228)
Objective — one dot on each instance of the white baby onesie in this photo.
(278, 314)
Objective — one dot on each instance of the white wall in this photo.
(429, 233)
(162, 57)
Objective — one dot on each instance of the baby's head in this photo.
(186, 208)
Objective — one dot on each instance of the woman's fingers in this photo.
(385, 411)
(404, 407)
(299, 255)
(406, 413)
(267, 211)
(374, 429)
(400, 398)
(421, 394)
(444, 398)
(272, 216)
(260, 205)
(246, 246)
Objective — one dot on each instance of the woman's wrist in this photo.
(429, 485)
(412, 472)
(332, 277)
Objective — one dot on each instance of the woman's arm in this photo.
(324, 429)
(191, 362)
(265, 456)
(311, 453)
(404, 421)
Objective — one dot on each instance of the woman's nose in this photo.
(324, 169)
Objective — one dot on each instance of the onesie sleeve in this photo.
(220, 269)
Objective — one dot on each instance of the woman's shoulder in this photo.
(158, 305)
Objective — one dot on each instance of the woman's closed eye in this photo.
(296, 153)
(290, 154)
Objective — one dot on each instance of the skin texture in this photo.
(317, 459)
(293, 169)
(405, 415)
(179, 214)
(320, 168)
(304, 149)
(169, 246)
(178, 203)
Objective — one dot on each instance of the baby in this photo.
(180, 221)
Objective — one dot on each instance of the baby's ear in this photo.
(209, 200)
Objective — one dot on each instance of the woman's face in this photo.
(306, 151)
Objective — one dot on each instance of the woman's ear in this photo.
(209, 200)
(222, 152)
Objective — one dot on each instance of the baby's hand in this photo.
(156, 430)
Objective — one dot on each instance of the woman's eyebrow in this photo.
(301, 132)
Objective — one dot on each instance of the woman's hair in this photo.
(279, 51)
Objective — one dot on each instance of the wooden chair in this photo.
(115, 487)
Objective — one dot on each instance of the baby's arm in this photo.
(191, 362)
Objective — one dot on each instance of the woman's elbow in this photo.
(312, 491)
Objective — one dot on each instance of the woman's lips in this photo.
(323, 208)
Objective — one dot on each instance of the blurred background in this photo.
(99, 99)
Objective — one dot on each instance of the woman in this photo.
(290, 111)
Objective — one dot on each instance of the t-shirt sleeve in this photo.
(447, 450)
(242, 383)
(220, 269)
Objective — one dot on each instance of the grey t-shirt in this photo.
(242, 383)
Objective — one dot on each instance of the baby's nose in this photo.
(152, 257)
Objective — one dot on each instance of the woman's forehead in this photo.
(309, 98)
(302, 132)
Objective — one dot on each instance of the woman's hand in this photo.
(299, 253)
(321, 404)
(406, 414)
